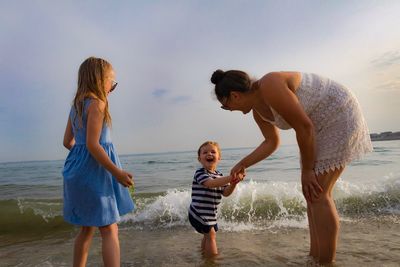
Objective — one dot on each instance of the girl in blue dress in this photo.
(95, 186)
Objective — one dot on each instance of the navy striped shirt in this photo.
(205, 200)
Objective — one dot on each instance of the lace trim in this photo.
(327, 165)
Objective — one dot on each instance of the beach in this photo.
(263, 223)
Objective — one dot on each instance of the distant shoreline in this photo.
(385, 136)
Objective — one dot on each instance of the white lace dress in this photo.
(341, 133)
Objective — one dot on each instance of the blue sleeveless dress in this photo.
(92, 196)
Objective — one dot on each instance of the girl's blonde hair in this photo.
(91, 81)
(209, 143)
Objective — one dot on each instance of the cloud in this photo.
(159, 93)
(390, 85)
(181, 99)
(385, 72)
(166, 94)
(164, 55)
(387, 59)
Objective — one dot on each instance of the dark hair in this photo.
(228, 81)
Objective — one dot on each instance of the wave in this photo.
(253, 205)
(31, 216)
(256, 205)
(379, 197)
(250, 206)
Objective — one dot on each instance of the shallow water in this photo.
(262, 223)
(361, 243)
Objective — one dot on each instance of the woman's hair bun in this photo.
(217, 76)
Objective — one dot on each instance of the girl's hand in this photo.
(124, 178)
(309, 184)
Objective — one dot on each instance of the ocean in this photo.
(263, 223)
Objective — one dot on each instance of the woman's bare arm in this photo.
(276, 92)
(266, 148)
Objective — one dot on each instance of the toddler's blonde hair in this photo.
(209, 143)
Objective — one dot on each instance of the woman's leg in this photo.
(326, 218)
(82, 245)
(210, 245)
(110, 245)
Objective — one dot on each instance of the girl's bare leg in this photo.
(110, 245)
(82, 245)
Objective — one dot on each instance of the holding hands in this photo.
(238, 173)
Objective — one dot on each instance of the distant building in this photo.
(384, 136)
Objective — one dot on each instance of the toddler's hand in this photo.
(125, 178)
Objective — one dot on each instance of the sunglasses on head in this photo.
(114, 84)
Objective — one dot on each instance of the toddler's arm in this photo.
(231, 187)
(217, 182)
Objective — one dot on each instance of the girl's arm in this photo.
(94, 127)
(217, 182)
(275, 90)
(266, 148)
(69, 140)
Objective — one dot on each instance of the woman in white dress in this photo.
(330, 132)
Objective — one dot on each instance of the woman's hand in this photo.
(309, 184)
(238, 173)
(124, 178)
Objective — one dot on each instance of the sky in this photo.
(164, 52)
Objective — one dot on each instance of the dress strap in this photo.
(265, 119)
